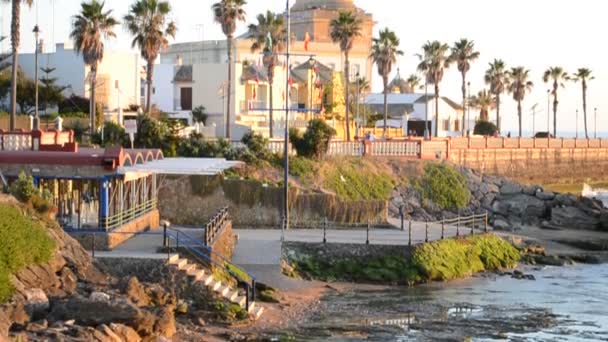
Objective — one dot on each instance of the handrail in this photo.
(215, 225)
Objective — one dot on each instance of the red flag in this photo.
(255, 94)
(320, 93)
(306, 41)
(290, 81)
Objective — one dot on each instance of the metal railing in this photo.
(195, 248)
(471, 222)
(125, 216)
(215, 226)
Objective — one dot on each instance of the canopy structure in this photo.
(182, 166)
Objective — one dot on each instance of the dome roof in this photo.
(325, 4)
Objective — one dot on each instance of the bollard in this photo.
(324, 230)
(473, 226)
(426, 231)
(409, 239)
(442, 228)
(402, 215)
(458, 226)
(367, 235)
(165, 240)
(485, 223)
(253, 289)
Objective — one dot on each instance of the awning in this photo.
(182, 166)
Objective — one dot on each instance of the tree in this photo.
(50, 93)
(147, 22)
(433, 62)
(199, 114)
(15, 41)
(314, 143)
(227, 13)
(558, 75)
(270, 36)
(484, 101)
(91, 26)
(26, 94)
(344, 30)
(497, 77)
(463, 53)
(385, 49)
(413, 83)
(519, 86)
(583, 75)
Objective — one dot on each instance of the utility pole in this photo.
(37, 48)
(549, 112)
(469, 109)
(358, 119)
(285, 224)
(576, 123)
(426, 108)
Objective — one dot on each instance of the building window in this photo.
(457, 125)
(186, 98)
(446, 125)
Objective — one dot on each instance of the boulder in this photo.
(565, 199)
(527, 209)
(136, 292)
(510, 189)
(545, 195)
(126, 333)
(488, 188)
(165, 325)
(36, 303)
(99, 297)
(573, 218)
(502, 224)
(68, 280)
(90, 312)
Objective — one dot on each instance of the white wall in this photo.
(163, 94)
(445, 112)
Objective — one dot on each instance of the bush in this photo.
(315, 141)
(23, 242)
(300, 167)
(199, 114)
(74, 104)
(257, 145)
(485, 128)
(113, 135)
(23, 188)
(79, 128)
(350, 183)
(445, 186)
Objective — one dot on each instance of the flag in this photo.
(255, 94)
(306, 41)
(290, 81)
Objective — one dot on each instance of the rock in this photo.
(530, 190)
(38, 326)
(137, 293)
(545, 196)
(36, 303)
(90, 312)
(565, 199)
(126, 333)
(99, 297)
(201, 322)
(573, 218)
(165, 325)
(501, 224)
(68, 280)
(527, 209)
(510, 189)
(111, 335)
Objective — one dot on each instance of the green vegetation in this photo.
(485, 128)
(113, 135)
(314, 143)
(230, 312)
(445, 186)
(346, 179)
(301, 167)
(440, 260)
(26, 192)
(23, 242)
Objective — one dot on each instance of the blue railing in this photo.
(195, 248)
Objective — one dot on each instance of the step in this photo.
(257, 312)
(223, 290)
(207, 280)
(232, 296)
(181, 263)
(216, 285)
(197, 274)
(173, 258)
(241, 301)
(251, 307)
(189, 268)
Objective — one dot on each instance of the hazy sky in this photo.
(532, 33)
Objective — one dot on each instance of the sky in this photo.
(535, 34)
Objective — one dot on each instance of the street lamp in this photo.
(36, 117)
(285, 223)
(576, 124)
(468, 109)
(426, 108)
(595, 122)
(548, 112)
(358, 119)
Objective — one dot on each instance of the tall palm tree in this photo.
(344, 30)
(484, 101)
(463, 53)
(15, 41)
(519, 86)
(90, 27)
(584, 75)
(433, 62)
(385, 49)
(497, 77)
(270, 36)
(147, 22)
(559, 76)
(228, 13)
(413, 82)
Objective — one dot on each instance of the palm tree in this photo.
(91, 26)
(497, 77)
(583, 75)
(385, 49)
(484, 101)
(147, 22)
(519, 86)
(433, 62)
(270, 36)
(15, 41)
(413, 82)
(228, 13)
(344, 30)
(463, 53)
(558, 75)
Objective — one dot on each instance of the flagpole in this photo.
(285, 224)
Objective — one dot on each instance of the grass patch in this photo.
(354, 180)
(230, 312)
(445, 186)
(440, 260)
(23, 242)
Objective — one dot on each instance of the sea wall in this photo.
(193, 200)
(537, 165)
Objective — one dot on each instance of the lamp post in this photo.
(358, 119)
(468, 108)
(576, 126)
(549, 112)
(36, 117)
(426, 108)
(595, 122)
(285, 223)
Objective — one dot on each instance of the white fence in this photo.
(395, 148)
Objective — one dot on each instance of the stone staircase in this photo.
(198, 274)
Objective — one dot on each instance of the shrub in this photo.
(300, 167)
(23, 188)
(347, 180)
(315, 141)
(257, 145)
(113, 135)
(79, 128)
(74, 104)
(485, 128)
(23, 242)
(445, 186)
(199, 114)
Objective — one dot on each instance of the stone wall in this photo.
(537, 165)
(340, 251)
(194, 200)
(224, 244)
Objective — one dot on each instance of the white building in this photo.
(410, 111)
(119, 75)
